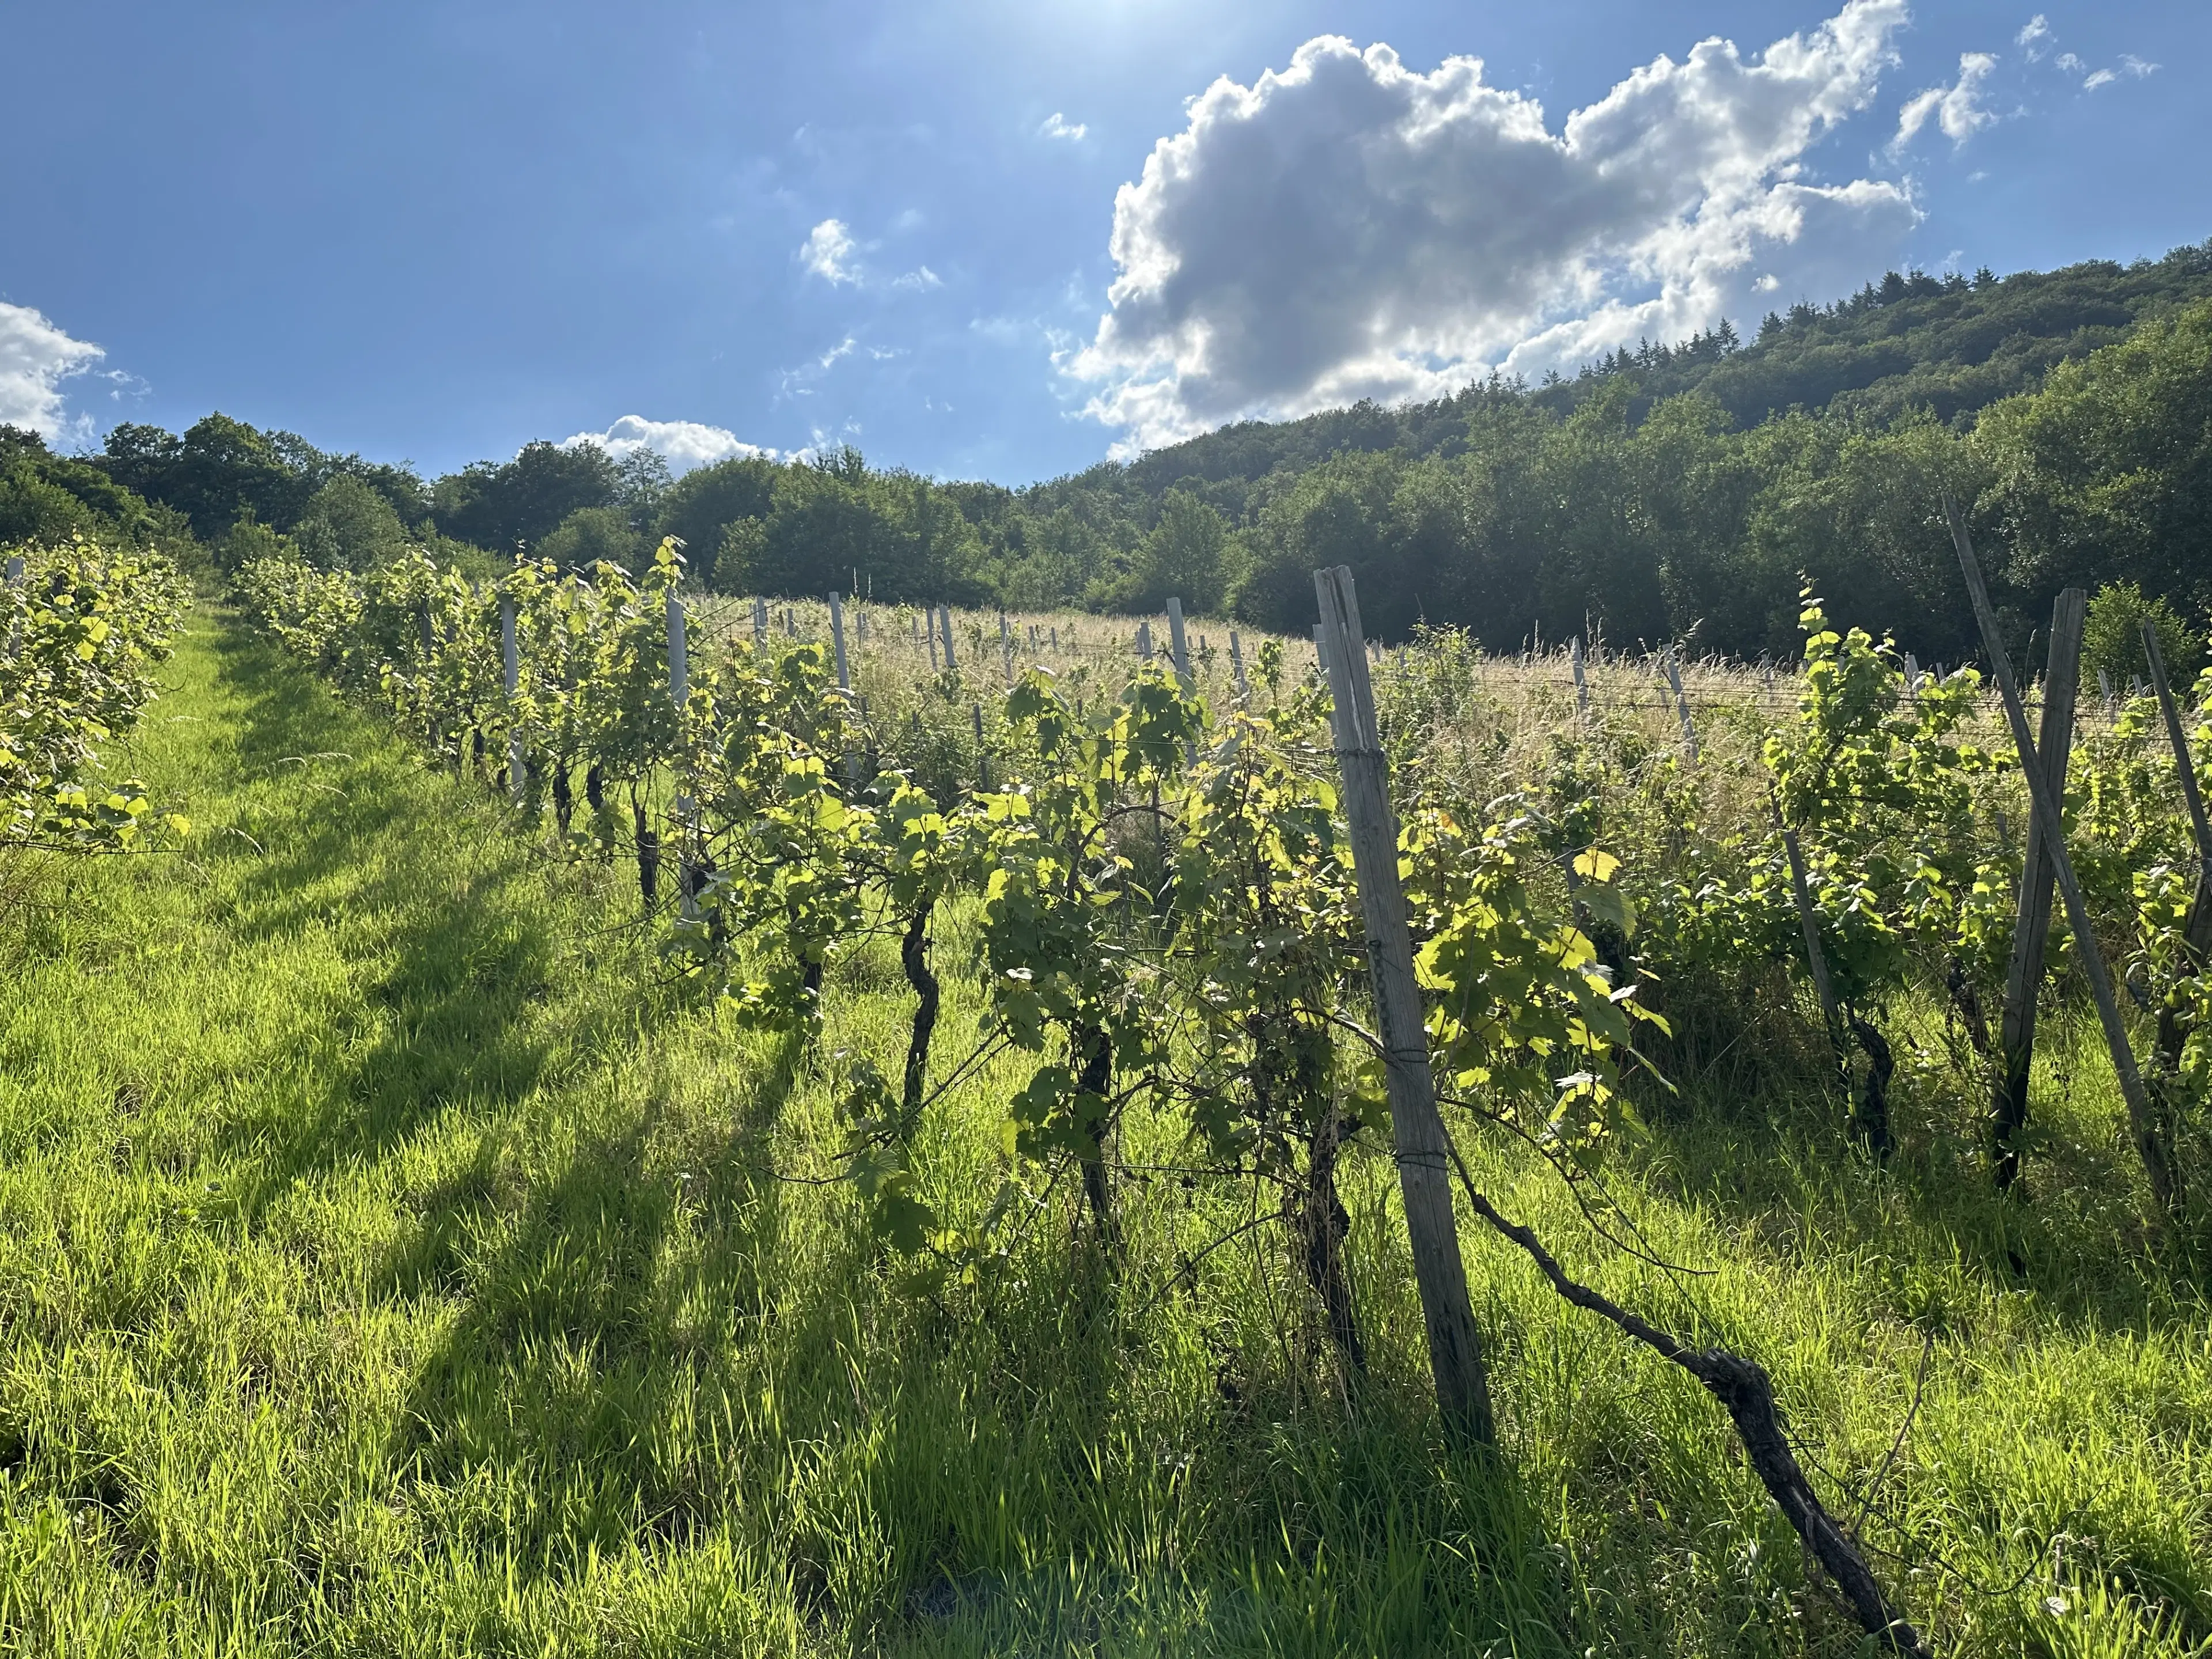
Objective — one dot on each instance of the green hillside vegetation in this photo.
(1666, 493)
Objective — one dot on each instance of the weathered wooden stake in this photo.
(511, 656)
(1006, 647)
(2143, 1124)
(1144, 640)
(1682, 703)
(1582, 684)
(15, 620)
(1177, 648)
(1236, 667)
(837, 638)
(944, 617)
(1816, 959)
(1321, 648)
(760, 624)
(2031, 930)
(1455, 1356)
(679, 693)
(2196, 929)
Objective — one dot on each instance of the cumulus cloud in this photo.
(683, 444)
(1349, 228)
(1056, 126)
(2035, 37)
(829, 252)
(1958, 108)
(35, 358)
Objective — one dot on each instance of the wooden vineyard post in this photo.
(15, 620)
(945, 621)
(1454, 1348)
(1006, 649)
(679, 693)
(1236, 668)
(511, 658)
(1582, 684)
(2196, 930)
(1682, 705)
(844, 684)
(1178, 648)
(1321, 648)
(760, 624)
(982, 756)
(1816, 959)
(1144, 640)
(2144, 1126)
(932, 640)
(2031, 930)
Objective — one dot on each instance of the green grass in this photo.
(395, 1257)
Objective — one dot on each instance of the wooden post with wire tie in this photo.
(1455, 1357)
(2030, 929)
(2144, 1126)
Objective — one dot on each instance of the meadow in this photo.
(406, 1251)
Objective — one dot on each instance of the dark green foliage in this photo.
(523, 501)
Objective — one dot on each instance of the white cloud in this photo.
(683, 444)
(2104, 77)
(35, 358)
(2035, 37)
(918, 281)
(1349, 228)
(828, 251)
(2070, 64)
(1958, 107)
(1057, 125)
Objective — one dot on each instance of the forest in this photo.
(1671, 493)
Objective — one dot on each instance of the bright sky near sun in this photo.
(1000, 239)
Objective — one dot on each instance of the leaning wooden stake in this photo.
(1236, 668)
(837, 638)
(2143, 1124)
(2062, 679)
(1422, 1146)
(2196, 930)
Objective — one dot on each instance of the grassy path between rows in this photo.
(395, 1258)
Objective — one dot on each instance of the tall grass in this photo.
(397, 1255)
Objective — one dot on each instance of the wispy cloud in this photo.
(1056, 126)
(2034, 38)
(918, 281)
(1958, 108)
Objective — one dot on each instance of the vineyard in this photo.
(877, 1129)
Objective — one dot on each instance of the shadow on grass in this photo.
(1779, 1163)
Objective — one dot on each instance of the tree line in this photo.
(1677, 493)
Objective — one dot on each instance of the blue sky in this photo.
(432, 232)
